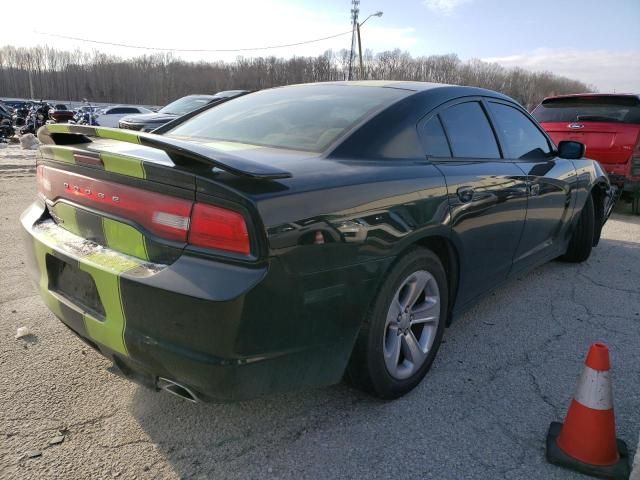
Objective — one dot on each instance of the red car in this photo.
(608, 124)
(61, 114)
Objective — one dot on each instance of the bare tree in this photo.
(156, 79)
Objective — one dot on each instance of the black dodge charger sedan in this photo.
(294, 236)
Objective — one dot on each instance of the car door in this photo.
(106, 119)
(487, 195)
(550, 182)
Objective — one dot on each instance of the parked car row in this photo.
(27, 116)
(182, 106)
(23, 117)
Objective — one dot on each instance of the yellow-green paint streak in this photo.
(123, 165)
(124, 238)
(58, 128)
(58, 153)
(105, 266)
(66, 217)
(105, 269)
(115, 134)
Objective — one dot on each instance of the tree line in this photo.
(159, 78)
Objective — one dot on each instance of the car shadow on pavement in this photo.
(206, 439)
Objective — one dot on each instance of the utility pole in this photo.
(355, 10)
(31, 84)
(361, 76)
(357, 26)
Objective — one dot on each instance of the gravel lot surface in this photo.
(508, 368)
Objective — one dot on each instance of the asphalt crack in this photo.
(609, 287)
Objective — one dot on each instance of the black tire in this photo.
(367, 370)
(581, 242)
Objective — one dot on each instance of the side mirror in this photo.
(571, 150)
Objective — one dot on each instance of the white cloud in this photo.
(607, 71)
(444, 7)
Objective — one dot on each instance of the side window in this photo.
(433, 139)
(521, 138)
(402, 145)
(469, 132)
(114, 111)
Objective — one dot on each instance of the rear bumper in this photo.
(227, 332)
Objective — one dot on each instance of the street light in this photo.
(377, 14)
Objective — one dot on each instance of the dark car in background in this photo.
(609, 126)
(61, 113)
(292, 235)
(6, 127)
(150, 121)
(5, 113)
(13, 105)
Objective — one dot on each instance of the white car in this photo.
(110, 116)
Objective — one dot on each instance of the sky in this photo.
(595, 41)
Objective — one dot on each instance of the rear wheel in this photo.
(400, 338)
(581, 242)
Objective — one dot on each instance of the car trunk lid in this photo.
(609, 143)
(609, 125)
(139, 194)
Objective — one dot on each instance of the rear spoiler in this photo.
(180, 152)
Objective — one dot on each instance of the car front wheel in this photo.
(401, 335)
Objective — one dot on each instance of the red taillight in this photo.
(163, 215)
(171, 218)
(219, 228)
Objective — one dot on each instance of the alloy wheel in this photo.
(411, 324)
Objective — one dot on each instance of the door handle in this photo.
(534, 189)
(465, 194)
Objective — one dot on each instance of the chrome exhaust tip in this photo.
(176, 389)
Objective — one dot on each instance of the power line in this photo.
(195, 50)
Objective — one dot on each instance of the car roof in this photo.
(399, 84)
(444, 89)
(583, 95)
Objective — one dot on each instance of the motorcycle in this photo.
(85, 115)
(38, 115)
(20, 114)
(6, 129)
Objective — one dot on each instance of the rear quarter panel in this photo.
(589, 174)
(335, 244)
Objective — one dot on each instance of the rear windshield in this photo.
(622, 109)
(306, 118)
(185, 105)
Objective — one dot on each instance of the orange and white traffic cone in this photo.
(586, 442)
